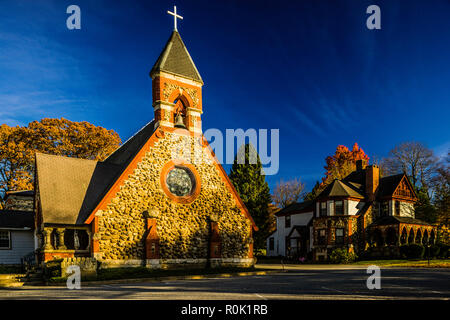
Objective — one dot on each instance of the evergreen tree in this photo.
(250, 182)
(424, 209)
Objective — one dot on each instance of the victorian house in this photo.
(360, 211)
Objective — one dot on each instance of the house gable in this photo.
(404, 190)
(120, 214)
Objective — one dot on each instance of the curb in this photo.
(168, 278)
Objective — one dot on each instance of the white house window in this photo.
(339, 207)
(5, 240)
(322, 239)
(271, 243)
(339, 236)
(397, 208)
(323, 209)
(287, 222)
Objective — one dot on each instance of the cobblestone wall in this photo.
(182, 228)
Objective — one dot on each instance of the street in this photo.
(307, 282)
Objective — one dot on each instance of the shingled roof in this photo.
(297, 207)
(20, 193)
(70, 188)
(389, 184)
(12, 219)
(340, 188)
(176, 59)
(396, 220)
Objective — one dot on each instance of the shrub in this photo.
(434, 251)
(443, 251)
(53, 269)
(412, 251)
(404, 251)
(341, 255)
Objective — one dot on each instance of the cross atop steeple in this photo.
(175, 17)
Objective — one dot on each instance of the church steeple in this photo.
(177, 87)
(175, 59)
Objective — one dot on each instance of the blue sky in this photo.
(309, 68)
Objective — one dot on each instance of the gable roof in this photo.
(302, 231)
(12, 219)
(70, 188)
(356, 180)
(389, 184)
(115, 187)
(340, 188)
(128, 150)
(297, 207)
(176, 59)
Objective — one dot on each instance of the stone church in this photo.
(161, 200)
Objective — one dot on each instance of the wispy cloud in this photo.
(308, 122)
(14, 107)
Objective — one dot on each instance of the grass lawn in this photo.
(142, 272)
(435, 263)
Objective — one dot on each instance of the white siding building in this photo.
(16, 236)
(292, 235)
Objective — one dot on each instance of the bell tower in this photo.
(177, 88)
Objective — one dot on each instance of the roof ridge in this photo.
(129, 139)
(40, 154)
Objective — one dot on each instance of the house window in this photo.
(397, 208)
(271, 243)
(384, 209)
(287, 221)
(322, 238)
(376, 210)
(5, 240)
(339, 236)
(323, 209)
(339, 208)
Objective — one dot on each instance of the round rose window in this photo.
(180, 181)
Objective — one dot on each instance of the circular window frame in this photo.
(197, 182)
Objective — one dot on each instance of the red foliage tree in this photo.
(343, 162)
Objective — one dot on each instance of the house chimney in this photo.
(372, 181)
(360, 164)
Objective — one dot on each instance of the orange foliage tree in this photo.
(51, 136)
(339, 165)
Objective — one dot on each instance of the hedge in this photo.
(412, 251)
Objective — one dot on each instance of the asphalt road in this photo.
(295, 283)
